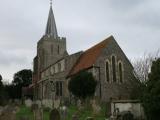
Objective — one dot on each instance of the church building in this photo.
(53, 67)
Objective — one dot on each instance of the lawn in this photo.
(83, 114)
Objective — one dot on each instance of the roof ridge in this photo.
(99, 43)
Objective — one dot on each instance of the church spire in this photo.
(51, 29)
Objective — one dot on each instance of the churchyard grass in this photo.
(83, 114)
(24, 111)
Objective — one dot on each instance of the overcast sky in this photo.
(135, 24)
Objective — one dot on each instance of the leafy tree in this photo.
(21, 79)
(82, 85)
(151, 97)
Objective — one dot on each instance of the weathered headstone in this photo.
(54, 115)
(63, 111)
(38, 114)
(28, 103)
(96, 107)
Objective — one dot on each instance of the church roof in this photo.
(51, 29)
(89, 57)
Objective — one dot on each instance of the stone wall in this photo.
(115, 90)
(49, 76)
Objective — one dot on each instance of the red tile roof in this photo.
(89, 57)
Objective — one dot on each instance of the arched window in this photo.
(59, 88)
(120, 72)
(107, 71)
(114, 68)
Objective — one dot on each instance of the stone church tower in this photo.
(50, 47)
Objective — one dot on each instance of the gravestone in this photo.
(63, 111)
(28, 103)
(54, 115)
(38, 113)
(96, 108)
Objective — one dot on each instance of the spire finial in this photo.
(51, 3)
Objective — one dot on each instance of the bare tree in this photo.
(142, 66)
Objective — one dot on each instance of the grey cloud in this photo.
(125, 5)
(84, 23)
(8, 59)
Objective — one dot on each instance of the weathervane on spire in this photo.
(51, 2)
